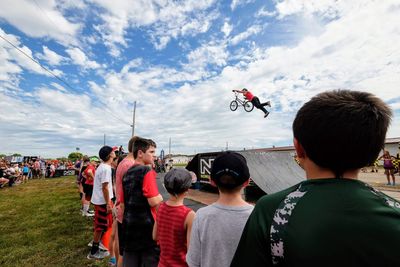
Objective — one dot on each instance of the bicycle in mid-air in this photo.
(248, 106)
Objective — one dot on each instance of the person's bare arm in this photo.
(155, 201)
(188, 225)
(90, 174)
(104, 188)
(155, 231)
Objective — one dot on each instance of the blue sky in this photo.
(180, 60)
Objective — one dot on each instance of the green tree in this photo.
(2, 155)
(16, 155)
(75, 156)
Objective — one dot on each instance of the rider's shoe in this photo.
(266, 114)
(269, 103)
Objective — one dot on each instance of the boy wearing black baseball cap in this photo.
(101, 198)
(217, 228)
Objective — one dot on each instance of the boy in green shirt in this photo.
(332, 218)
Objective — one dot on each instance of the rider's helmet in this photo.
(244, 89)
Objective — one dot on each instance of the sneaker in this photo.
(266, 114)
(87, 214)
(91, 211)
(101, 245)
(112, 261)
(394, 184)
(388, 184)
(100, 254)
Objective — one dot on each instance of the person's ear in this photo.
(246, 183)
(299, 149)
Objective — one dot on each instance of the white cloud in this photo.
(263, 12)
(42, 20)
(190, 102)
(79, 58)
(254, 29)
(208, 54)
(226, 28)
(14, 61)
(329, 9)
(69, 4)
(50, 56)
(167, 18)
(236, 3)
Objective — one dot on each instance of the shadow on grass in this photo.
(41, 225)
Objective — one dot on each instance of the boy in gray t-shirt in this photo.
(217, 228)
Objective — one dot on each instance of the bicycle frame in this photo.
(239, 100)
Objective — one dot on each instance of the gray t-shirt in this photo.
(216, 232)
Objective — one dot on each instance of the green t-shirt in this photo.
(337, 222)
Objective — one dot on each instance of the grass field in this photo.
(40, 225)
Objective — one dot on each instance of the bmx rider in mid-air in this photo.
(254, 99)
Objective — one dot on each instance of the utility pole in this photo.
(169, 150)
(133, 121)
(226, 146)
(104, 139)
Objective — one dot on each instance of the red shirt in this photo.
(36, 165)
(89, 180)
(150, 188)
(171, 235)
(248, 95)
(122, 168)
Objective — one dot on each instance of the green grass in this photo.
(40, 225)
(180, 164)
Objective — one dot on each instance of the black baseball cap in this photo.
(232, 164)
(104, 152)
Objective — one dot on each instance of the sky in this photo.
(180, 61)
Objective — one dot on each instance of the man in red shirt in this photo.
(254, 100)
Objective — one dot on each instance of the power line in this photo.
(45, 13)
(56, 76)
(37, 62)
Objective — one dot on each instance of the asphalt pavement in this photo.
(194, 205)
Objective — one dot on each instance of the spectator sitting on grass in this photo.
(3, 181)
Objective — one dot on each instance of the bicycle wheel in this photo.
(248, 106)
(234, 105)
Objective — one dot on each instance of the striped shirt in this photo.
(171, 234)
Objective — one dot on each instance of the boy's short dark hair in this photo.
(177, 181)
(229, 170)
(143, 145)
(342, 130)
(131, 142)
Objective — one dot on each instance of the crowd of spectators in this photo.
(12, 174)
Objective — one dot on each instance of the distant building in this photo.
(178, 159)
(392, 145)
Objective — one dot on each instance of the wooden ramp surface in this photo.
(273, 171)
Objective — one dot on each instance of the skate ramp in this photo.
(273, 171)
